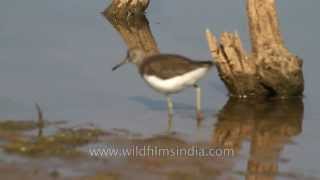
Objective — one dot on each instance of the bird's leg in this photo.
(170, 106)
(198, 102)
(170, 123)
(198, 98)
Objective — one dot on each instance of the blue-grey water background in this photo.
(60, 53)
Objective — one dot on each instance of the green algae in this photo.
(104, 176)
(10, 125)
(54, 174)
(78, 136)
(177, 175)
(44, 146)
(63, 143)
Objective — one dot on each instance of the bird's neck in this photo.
(138, 63)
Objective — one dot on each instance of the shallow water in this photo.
(60, 54)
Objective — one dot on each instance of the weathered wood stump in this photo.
(135, 32)
(270, 70)
(123, 8)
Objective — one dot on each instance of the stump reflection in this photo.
(269, 126)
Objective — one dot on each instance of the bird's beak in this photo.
(120, 64)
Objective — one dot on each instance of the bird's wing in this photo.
(167, 66)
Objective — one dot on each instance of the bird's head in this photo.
(134, 56)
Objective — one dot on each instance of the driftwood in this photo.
(135, 31)
(270, 70)
(124, 8)
(269, 126)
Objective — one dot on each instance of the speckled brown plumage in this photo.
(166, 66)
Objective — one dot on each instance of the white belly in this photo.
(175, 84)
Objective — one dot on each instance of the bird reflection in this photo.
(268, 125)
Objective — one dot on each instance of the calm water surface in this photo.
(60, 54)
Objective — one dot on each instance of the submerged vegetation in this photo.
(11, 125)
(62, 143)
(104, 176)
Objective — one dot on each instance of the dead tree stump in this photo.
(127, 17)
(270, 70)
(135, 32)
(123, 8)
